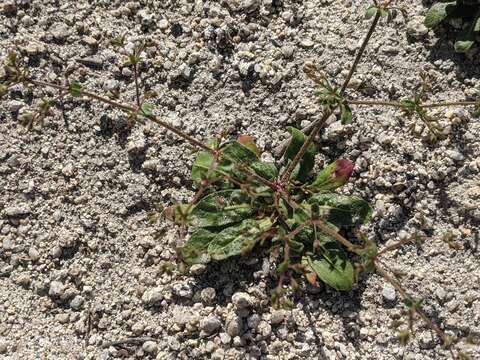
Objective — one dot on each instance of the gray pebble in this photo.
(242, 300)
(56, 289)
(388, 293)
(77, 302)
(150, 347)
(208, 295)
(152, 296)
(210, 324)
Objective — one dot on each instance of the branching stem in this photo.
(321, 122)
(129, 108)
(417, 310)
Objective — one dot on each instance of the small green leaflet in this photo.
(75, 89)
(371, 12)
(147, 109)
(306, 164)
(331, 266)
(341, 210)
(346, 114)
(220, 209)
(437, 13)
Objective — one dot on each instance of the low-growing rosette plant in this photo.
(244, 203)
(299, 219)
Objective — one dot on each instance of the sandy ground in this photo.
(80, 265)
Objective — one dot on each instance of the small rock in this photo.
(277, 317)
(235, 326)
(150, 347)
(250, 5)
(152, 296)
(441, 295)
(127, 72)
(56, 252)
(33, 254)
(416, 28)
(388, 293)
(62, 318)
(136, 146)
(265, 329)
(307, 43)
(183, 290)
(92, 61)
(210, 324)
(77, 302)
(60, 31)
(16, 211)
(197, 269)
(242, 300)
(208, 295)
(455, 155)
(288, 51)
(163, 24)
(90, 41)
(68, 170)
(56, 289)
(7, 244)
(23, 280)
(151, 165)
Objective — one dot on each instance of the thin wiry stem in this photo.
(137, 87)
(402, 105)
(360, 52)
(420, 312)
(322, 225)
(129, 108)
(317, 126)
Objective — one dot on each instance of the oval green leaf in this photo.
(332, 266)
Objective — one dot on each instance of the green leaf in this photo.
(476, 110)
(341, 210)
(238, 239)
(266, 170)
(204, 245)
(346, 114)
(147, 109)
(371, 12)
(201, 166)
(332, 266)
(238, 154)
(220, 209)
(462, 46)
(75, 89)
(308, 160)
(195, 250)
(438, 12)
(476, 24)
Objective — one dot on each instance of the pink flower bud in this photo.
(344, 169)
(333, 176)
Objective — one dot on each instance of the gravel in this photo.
(82, 266)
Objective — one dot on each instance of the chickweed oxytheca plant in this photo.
(244, 204)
